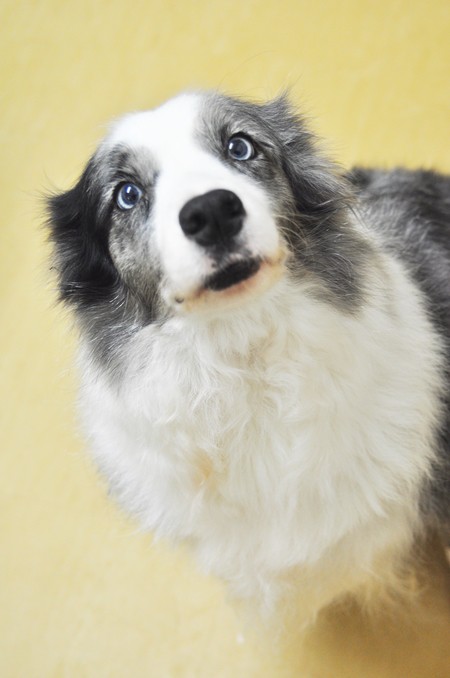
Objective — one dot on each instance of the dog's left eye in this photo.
(240, 148)
(128, 196)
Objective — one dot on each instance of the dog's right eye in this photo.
(128, 196)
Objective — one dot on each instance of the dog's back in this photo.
(411, 211)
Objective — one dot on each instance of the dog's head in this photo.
(202, 203)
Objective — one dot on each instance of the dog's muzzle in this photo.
(213, 219)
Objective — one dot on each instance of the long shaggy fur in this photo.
(294, 427)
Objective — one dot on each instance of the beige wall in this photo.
(82, 594)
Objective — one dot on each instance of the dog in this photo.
(264, 345)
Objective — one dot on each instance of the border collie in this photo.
(265, 351)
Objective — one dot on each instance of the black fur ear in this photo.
(79, 233)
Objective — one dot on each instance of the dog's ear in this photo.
(82, 261)
(281, 115)
(324, 242)
(318, 186)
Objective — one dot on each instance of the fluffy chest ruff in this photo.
(288, 445)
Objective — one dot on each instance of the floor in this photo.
(84, 594)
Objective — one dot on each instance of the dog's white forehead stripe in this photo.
(165, 130)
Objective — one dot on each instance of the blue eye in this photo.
(128, 196)
(240, 148)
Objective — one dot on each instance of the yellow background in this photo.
(82, 592)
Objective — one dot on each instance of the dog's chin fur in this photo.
(264, 439)
(290, 427)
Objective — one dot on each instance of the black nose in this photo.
(212, 218)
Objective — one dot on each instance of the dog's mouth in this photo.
(233, 274)
(232, 282)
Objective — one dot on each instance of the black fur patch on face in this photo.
(310, 199)
(80, 234)
(108, 303)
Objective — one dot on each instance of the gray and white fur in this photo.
(265, 352)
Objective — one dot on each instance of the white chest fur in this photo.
(289, 437)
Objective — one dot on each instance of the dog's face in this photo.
(201, 204)
(193, 190)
